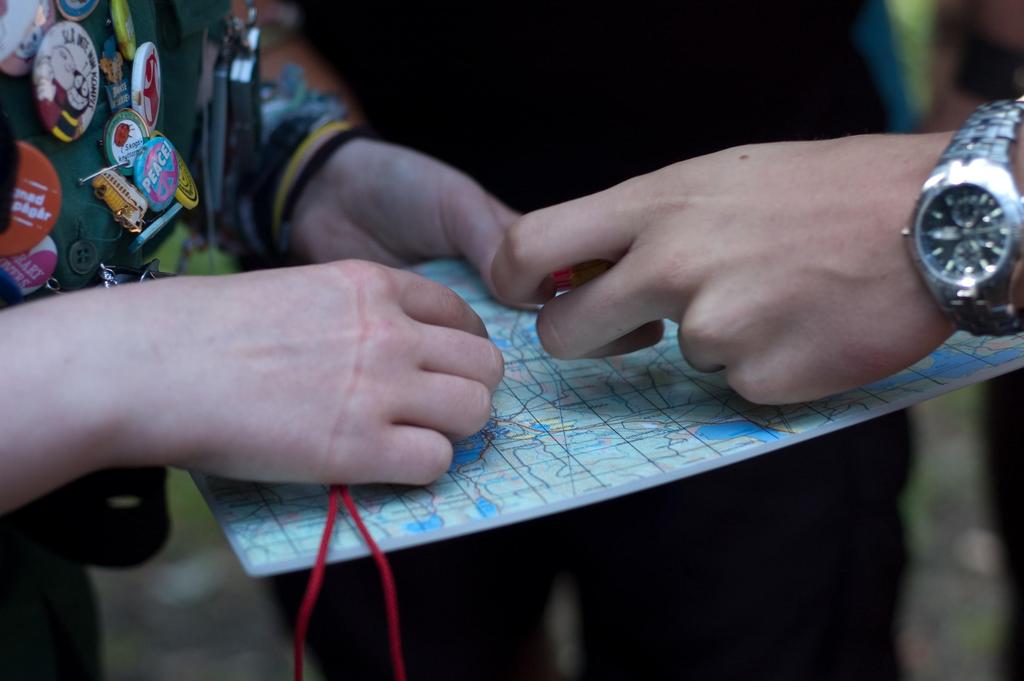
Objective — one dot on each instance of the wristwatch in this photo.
(965, 233)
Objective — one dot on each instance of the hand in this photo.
(396, 206)
(783, 263)
(346, 372)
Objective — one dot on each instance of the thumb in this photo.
(476, 223)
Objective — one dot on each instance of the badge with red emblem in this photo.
(123, 139)
(146, 81)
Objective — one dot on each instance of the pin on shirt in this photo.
(22, 27)
(119, 93)
(146, 84)
(76, 10)
(157, 175)
(66, 78)
(36, 202)
(123, 199)
(30, 271)
(124, 27)
(124, 137)
(90, 176)
(187, 193)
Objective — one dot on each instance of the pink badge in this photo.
(31, 270)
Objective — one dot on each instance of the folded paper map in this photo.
(565, 434)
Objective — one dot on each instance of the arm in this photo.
(783, 263)
(380, 201)
(345, 372)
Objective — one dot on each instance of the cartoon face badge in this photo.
(19, 61)
(146, 82)
(67, 80)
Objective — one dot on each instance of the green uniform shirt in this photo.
(47, 616)
(176, 27)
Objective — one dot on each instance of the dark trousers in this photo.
(1006, 470)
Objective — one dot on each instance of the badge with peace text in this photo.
(156, 173)
(188, 193)
(66, 76)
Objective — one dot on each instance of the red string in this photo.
(316, 579)
(387, 581)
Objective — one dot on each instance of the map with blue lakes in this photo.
(566, 434)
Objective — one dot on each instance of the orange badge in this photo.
(35, 205)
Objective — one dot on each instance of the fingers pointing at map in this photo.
(761, 254)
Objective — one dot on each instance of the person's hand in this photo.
(387, 203)
(784, 264)
(344, 372)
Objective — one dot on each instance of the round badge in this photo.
(10, 294)
(124, 28)
(76, 10)
(156, 173)
(31, 270)
(36, 202)
(146, 83)
(188, 193)
(67, 80)
(19, 61)
(123, 138)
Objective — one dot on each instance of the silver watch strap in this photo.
(980, 318)
(990, 133)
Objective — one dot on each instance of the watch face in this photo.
(963, 235)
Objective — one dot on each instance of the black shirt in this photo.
(546, 101)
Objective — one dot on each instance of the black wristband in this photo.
(990, 71)
(258, 195)
(317, 161)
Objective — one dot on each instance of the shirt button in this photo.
(83, 257)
